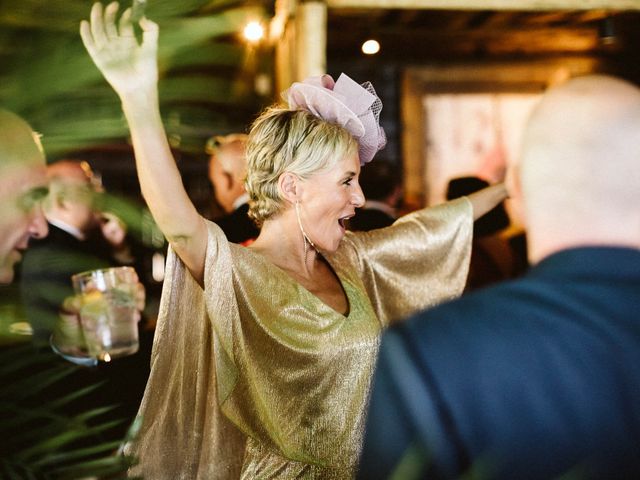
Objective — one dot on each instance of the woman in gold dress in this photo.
(263, 355)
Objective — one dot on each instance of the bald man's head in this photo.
(580, 163)
(23, 185)
(73, 194)
(19, 144)
(227, 168)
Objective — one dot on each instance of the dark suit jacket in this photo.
(369, 219)
(237, 226)
(46, 271)
(528, 379)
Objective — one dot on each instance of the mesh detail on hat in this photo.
(376, 108)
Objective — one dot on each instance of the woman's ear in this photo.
(289, 187)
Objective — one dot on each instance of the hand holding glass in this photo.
(109, 314)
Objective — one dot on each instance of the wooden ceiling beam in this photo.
(590, 16)
(501, 20)
(528, 5)
(501, 42)
(546, 18)
(458, 21)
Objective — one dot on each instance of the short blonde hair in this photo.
(284, 140)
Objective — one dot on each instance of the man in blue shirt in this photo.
(536, 377)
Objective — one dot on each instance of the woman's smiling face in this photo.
(328, 199)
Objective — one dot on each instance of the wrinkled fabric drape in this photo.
(255, 377)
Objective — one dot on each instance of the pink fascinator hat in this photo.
(345, 102)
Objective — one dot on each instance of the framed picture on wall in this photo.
(467, 119)
(471, 134)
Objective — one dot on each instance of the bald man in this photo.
(227, 170)
(539, 376)
(23, 185)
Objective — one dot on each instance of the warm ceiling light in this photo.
(370, 47)
(253, 31)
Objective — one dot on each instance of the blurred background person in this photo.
(76, 243)
(23, 186)
(495, 255)
(114, 231)
(227, 171)
(381, 184)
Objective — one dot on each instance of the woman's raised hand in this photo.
(127, 65)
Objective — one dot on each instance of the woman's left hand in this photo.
(125, 64)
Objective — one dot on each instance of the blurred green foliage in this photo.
(47, 77)
(41, 440)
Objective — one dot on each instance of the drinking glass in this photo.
(108, 314)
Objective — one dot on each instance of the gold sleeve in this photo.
(183, 433)
(419, 261)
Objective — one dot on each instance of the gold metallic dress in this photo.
(254, 377)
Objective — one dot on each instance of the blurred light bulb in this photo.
(370, 47)
(262, 84)
(253, 31)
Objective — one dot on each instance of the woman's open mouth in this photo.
(342, 221)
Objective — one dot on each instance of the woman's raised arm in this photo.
(131, 69)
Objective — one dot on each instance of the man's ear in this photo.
(59, 200)
(512, 181)
(514, 190)
(229, 180)
(289, 187)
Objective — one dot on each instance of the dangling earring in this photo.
(305, 237)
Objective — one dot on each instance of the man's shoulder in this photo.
(62, 253)
(498, 321)
(543, 308)
(507, 296)
(510, 359)
(57, 240)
